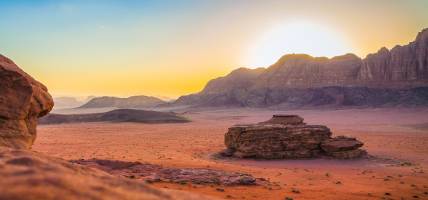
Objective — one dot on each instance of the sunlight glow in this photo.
(296, 37)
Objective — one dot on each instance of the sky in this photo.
(171, 48)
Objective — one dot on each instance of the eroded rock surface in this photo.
(287, 137)
(343, 147)
(29, 175)
(401, 63)
(22, 101)
(156, 173)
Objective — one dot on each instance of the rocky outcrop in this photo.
(30, 175)
(22, 101)
(156, 173)
(343, 147)
(129, 102)
(396, 77)
(287, 137)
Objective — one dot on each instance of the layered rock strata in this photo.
(343, 147)
(396, 77)
(287, 137)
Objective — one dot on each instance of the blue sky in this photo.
(169, 48)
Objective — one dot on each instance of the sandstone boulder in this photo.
(341, 143)
(287, 137)
(342, 147)
(22, 101)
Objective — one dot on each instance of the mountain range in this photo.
(395, 77)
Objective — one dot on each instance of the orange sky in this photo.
(171, 48)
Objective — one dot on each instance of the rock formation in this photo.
(287, 137)
(22, 101)
(401, 63)
(343, 147)
(387, 78)
(30, 175)
(118, 115)
(156, 173)
(129, 102)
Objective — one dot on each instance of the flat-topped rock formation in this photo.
(287, 137)
(396, 77)
(285, 119)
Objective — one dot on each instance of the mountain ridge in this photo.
(401, 74)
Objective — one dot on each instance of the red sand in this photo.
(387, 133)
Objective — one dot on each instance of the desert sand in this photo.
(396, 140)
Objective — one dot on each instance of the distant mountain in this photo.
(130, 102)
(119, 115)
(387, 78)
(67, 102)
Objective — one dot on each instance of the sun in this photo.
(295, 37)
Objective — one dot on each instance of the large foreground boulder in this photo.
(287, 137)
(22, 101)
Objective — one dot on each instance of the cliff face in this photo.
(304, 71)
(389, 77)
(402, 63)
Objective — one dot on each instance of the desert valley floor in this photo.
(396, 139)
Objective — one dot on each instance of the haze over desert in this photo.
(257, 100)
